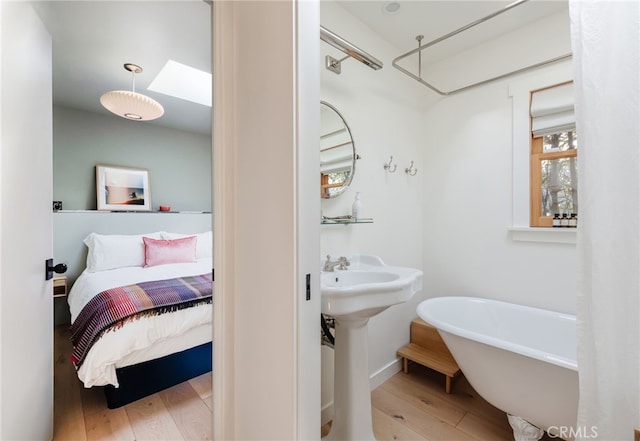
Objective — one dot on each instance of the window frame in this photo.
(537, 155)
(535, 186)
(519, 90)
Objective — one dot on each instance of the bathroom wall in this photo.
(385, 112)
(468, 189)
(179, 162)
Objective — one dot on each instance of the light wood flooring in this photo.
(183, 412)
(411, 406)
(415, 407)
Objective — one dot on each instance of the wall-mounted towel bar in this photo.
(351, 50)
(422, 47)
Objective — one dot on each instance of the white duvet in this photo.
(146, 338)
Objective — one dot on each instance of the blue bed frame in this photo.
(152, 376)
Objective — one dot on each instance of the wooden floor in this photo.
(409, 406)
(415, 407)
(183, 412)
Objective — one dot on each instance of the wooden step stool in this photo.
(428, 349)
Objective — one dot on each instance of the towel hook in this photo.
(388, 167)
(410, 170)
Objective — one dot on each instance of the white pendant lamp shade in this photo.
(130, 104)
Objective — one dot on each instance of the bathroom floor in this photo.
(415, 407)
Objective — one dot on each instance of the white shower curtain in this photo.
(606, 46)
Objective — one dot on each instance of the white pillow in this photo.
(111, 251)
(204, 244)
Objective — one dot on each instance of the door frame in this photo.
(266, 96)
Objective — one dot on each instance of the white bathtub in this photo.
(520, 359)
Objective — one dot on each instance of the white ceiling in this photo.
(93, 39)
(436, 18)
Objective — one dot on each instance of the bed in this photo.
(166, 336)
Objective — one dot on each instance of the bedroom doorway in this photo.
(91, 41)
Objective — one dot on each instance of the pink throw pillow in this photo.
(161, 252)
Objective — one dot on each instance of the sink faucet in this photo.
(342, 263)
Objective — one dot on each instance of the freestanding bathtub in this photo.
(520, 359)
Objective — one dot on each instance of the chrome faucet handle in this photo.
(328, 264)
(343, 263)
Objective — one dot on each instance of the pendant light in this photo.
(129, 104)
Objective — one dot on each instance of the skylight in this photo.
(185, 82)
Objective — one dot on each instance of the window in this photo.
(332, 183)
(554, 155)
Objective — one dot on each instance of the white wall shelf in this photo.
(548, 235)
(340, 222)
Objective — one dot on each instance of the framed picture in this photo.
(122, 188)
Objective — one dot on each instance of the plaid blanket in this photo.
(112, 308)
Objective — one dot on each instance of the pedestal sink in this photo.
(352, 296)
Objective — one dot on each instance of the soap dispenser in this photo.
(356, 208)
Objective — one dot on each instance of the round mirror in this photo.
(337, 152)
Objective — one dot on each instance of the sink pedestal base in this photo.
(352, 390)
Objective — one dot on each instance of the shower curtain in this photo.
(606, 46)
